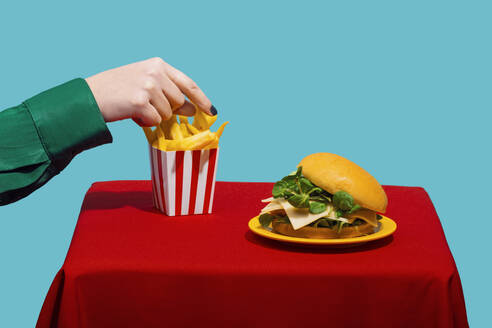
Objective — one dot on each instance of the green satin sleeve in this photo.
(41, 136)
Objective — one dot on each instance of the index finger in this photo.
(191, 90)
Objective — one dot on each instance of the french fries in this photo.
(151, 135)
(172, 135)
(202, 121)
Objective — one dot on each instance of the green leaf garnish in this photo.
(316, 191)
(290, 180)
(279, 189)
(299, 172)
(344, 203)
(266, 219)
(317, 199)
(300, 192)
(325, 196)
(317, 207)
(306, 185)
(299, 200)
(343, 200)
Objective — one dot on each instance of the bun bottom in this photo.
(323, 233)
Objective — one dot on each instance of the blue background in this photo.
(401, 89)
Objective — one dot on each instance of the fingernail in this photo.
(213, 110)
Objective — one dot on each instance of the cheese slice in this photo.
(273, 206)
(364, 214)
(300, 217)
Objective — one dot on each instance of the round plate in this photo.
(386, 228)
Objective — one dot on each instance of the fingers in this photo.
(164, 92)
(147, 116)
(188, 109)
(158, 100)
(190, 89)
(174, 96)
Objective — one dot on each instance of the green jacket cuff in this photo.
(68, 121)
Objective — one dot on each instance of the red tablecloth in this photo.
(129, 266)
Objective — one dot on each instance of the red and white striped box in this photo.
(183, 182)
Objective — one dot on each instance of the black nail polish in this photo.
(213, 110)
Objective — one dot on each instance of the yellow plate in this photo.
(386, 228)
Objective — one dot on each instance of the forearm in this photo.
(41, 136)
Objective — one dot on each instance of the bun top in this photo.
(333, 173)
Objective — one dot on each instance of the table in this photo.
(130, 266)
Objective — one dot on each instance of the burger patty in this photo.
(333, 223)
(347, 231)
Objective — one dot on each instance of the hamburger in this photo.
(327, 197)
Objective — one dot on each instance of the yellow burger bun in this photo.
(333, 173)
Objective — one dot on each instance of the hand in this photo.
(148, 92)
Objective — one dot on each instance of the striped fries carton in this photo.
(183, 182)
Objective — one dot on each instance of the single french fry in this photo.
(161, 141)
(197, 141)
(184, 130)
(175, 131)
(149, 134)
(198, 122)
(221, 129)
(166, 126)
(192, 129)
(217, 134)
(183, 124)
(210, 120)
(203, 121)
(214, 143)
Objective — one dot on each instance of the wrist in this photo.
(93, 86)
